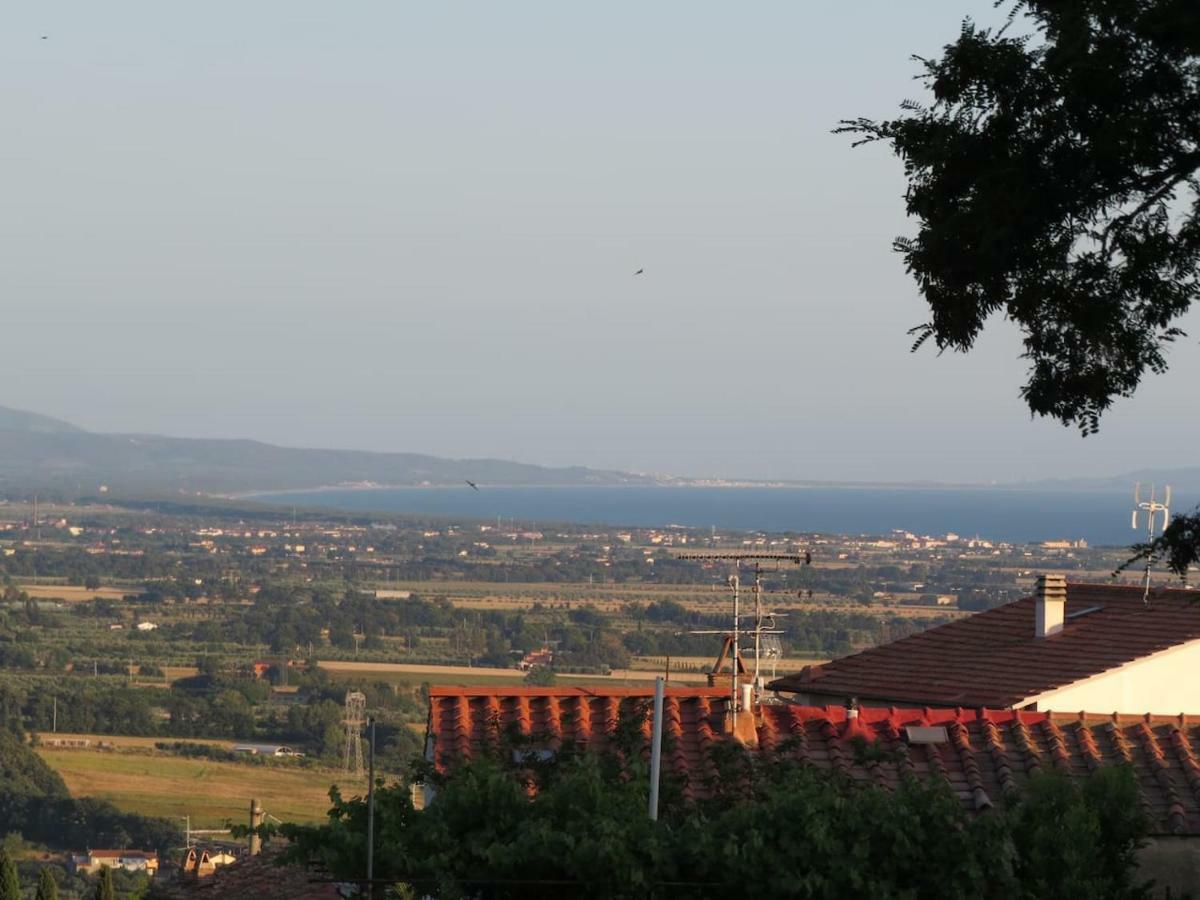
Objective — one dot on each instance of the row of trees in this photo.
(768, 828)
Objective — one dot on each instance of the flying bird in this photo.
(639, 271)
(473, 485)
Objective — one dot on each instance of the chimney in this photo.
(743, 723)
(1050, 605)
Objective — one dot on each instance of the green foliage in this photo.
(541, 676)
(35, 803)
(1179, 545)
(47, 887)
(10, 885)
(770, 828)
(1056, 827)
(1054, 177)
(104, 889)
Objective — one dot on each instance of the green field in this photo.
(210, 792)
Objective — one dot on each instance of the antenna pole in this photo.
(733, 666)
(1152, 508)
(733, 639)
(757, 620)
(1149, 539)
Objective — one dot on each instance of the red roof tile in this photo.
(992, 659)
(254, 876)
(981, 754)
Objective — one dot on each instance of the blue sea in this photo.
(1100, 518)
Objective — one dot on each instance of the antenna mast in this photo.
(1151, 507)
(763, 621)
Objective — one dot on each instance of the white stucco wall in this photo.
(1165, 683)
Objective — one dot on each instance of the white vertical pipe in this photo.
(656, 746)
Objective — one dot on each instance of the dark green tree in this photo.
(104, 889)
(47, 887)
(541, 676)
(585, 833)
(10, 884)
(1055, 179)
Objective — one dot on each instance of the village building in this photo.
(542, 658)
(205, 863)
(981, 755)
(263, 876)
(1102, 648)
(129, 860)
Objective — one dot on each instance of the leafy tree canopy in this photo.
(47, 887)
(1054, 179)
(104, 888)
(772, 828)
(10, 885)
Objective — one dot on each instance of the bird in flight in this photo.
(639, 271)
(473, 485)
(45, 36)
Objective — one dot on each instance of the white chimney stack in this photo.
(1050, 606)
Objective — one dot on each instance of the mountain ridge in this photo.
(39, 452)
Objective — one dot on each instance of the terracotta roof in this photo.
(992, 658)
(252, 876)
(983, 754)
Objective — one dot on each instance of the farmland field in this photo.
(416, 674)
(209, 792)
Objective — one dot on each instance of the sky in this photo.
(414, 227)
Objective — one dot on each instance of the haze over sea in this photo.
(1100, 518)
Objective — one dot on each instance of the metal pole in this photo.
(656, 746)
(371, 800)
(733, 690)
(757, 620)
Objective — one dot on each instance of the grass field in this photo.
(413, 673)
(122, 742)
(74, 593)
(209, 792)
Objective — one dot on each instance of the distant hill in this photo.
(37, 452)
(18, 420)
(1182, 481)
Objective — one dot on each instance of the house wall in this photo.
(1163, 683)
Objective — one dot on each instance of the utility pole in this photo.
(371, 805)
(656, 744)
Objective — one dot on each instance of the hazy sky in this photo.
(413, 226)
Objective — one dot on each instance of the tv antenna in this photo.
(356, 707)
(764, 620)
(1151, 507)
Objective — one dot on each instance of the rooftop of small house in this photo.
(981, 754)
(996, 658)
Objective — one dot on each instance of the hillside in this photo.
(37, 452)
(1182, 481)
